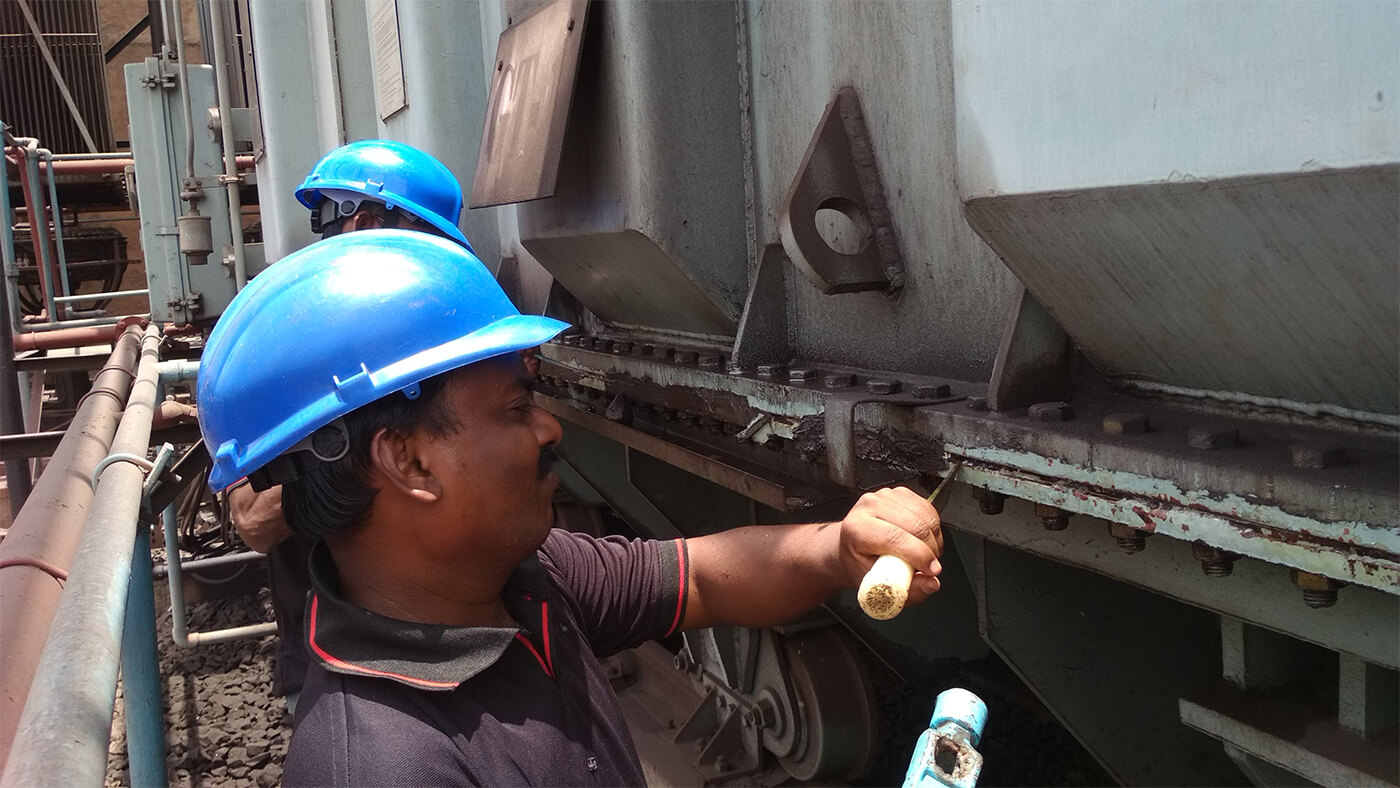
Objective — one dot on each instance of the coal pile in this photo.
(223, 725)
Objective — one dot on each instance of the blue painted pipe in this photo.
(946, 754)
(145, 717)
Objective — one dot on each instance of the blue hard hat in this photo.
(398, 175)
(338, 325)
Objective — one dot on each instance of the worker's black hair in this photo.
(337, 495)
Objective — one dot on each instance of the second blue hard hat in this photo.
(338, 325)
(393, 173)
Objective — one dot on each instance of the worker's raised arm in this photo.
(761, 576)
(257, 516)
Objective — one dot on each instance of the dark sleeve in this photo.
(343, 739)
(625, 592)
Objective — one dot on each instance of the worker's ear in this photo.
(401, 463)
(363, 220)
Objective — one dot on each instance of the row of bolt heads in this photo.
(1207, 437)
(795, 375)
(1318, 590)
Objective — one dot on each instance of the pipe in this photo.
(60, 253)
(231, 178)
(178, 371)
(177, 27)
(69, 164)
(95, 296)
(35, 214)
(145, 717)
(92, 157)
(63, 338)
(67, 723)
(18, 478)
(47, 529)
(9, 274)
(111, 322)
(218, 561)
(174, 576)
(39, 231)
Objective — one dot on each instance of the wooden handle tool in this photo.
(885, 588)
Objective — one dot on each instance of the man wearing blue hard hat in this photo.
(456, 636)
(365, 185)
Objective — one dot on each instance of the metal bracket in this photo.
(839, 173)
(173, 481)
(762, 335)
(839, 422)
(1033, 360)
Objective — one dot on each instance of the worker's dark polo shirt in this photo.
(389, 702)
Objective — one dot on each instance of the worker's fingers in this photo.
(893, 522)
(922, 587)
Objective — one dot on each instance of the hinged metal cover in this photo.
(528, 108)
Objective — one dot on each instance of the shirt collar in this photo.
(348, 639)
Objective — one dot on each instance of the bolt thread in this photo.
(1316, 598)
(1217, 568)
(1055, 523)
(1131, 544)
(991, 505)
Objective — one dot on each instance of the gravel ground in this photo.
(223, 725)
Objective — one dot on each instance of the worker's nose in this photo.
(547, 428)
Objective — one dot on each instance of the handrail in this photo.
(67, 721)
(49, 528)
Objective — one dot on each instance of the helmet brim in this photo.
(508, 335)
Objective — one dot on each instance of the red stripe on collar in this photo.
(349, 666)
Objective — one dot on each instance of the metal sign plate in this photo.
(528, 108)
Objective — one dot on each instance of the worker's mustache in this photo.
(548, 456)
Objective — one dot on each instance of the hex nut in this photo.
(1125, 424)
(570, 339)
(990, 503)
(839, 380)
(1210, 437)
(802, 375)
(978, 404)
(1315, 582)
(771, 370)
(622, 347)
(1214, 561)
(710, 359)
(685, 357)
(1316, 455)
(1319, 591)
(1129, 539)
(882, 386)
(1047, 412)
(1052, 517)
(931, 390)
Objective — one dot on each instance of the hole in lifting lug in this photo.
(843, 226)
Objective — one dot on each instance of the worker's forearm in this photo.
(258, 517)
(761, 576)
